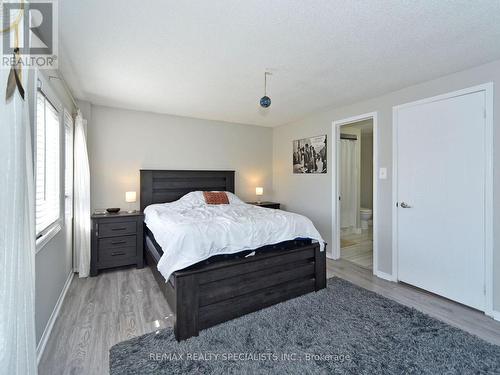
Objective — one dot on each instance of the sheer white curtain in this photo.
(17, 236)
(348, 183)
(81, 200)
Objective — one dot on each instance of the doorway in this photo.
(355, 190)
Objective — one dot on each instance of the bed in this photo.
(224, 287)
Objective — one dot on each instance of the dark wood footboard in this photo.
(208, 294)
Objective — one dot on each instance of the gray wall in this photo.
(54, 262)
(312, 194)
(121, 142)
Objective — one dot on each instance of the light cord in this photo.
(265, 82)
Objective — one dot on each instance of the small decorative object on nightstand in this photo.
(130, 197)
(266, 204)
(259, 192)
(116, 241)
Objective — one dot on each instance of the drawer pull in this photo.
(117, 253)
(122, 228)
(118, 242)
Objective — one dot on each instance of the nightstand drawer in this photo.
(117, 228)
(115, 242)
(114, 255)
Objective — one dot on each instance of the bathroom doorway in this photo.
(355, 191)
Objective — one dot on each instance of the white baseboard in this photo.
(495, 315)
(385, 276)
(50, 324)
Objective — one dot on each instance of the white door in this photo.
(441, 177)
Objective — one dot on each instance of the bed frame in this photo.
(217, 290)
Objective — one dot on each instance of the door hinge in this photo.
(484, 113)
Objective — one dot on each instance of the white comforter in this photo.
(190, 231)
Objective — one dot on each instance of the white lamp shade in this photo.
(259, 191)
(130, 196)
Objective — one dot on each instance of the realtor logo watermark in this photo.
(30, 34)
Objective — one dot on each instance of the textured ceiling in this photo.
(206, 59)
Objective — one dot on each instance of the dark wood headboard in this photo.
(162, 186)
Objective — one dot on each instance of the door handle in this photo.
(405, 205)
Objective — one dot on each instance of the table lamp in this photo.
(259, 191)
(130, 197)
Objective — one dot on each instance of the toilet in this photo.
(365, 215)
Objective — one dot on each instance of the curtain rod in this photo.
(66, 88)
(349, 137)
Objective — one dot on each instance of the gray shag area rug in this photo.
(343, 329)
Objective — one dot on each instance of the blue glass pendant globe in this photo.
(265, 101)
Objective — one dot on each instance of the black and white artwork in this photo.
(309, 155)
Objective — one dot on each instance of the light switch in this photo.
(382, 173)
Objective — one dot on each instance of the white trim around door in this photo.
(335, 252)
(487, 88)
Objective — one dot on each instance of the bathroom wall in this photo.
(366, 169)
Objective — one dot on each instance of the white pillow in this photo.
(196, 198)
(233, 199)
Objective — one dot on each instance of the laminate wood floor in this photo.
(117, 305)
(99, 312)
(453, 313)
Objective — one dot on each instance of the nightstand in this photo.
(116, 241)
(266, 204)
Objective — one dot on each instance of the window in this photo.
(47, 166)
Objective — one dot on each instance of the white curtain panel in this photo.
(17, 235)
(81, 200)
(348, 184)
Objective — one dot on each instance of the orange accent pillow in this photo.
(215, 197)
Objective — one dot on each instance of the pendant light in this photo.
(265, 101)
